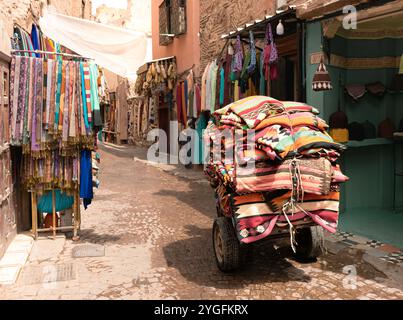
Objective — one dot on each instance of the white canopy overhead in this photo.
(119, 50)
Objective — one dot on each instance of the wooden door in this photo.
(7, 210)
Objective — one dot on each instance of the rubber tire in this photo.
(232, 253)
(309, 243)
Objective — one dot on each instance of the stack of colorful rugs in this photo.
(273, 164)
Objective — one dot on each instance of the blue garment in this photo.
(35, 39)
(63, 202)
(201, 125)
(86, 192)
(222, 85)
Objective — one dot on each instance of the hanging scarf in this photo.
(238, 55)
(77, 106)
(87, 83)
(48, 77)
(58, 93)
(179, 103)
(262, 83)
(197, 102)
(35, 39)
(27, 93)
(252, 65)
(273, 49)
(15, 88)
(84, 99)
(72, 111)
(227, 71)
(31, 96)
(22, 101)
(65, 124)
(183, 95)
(52, 97)
(45, 84)
(86, 192)
(222, 85)
(62, 97)
(94, 74)
(37, 106)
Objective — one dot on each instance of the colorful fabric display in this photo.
(50, 109)
(278, 166)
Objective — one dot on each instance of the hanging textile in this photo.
(238, 55)
(47, 113)
(204, 86)
(252, 65)
(222, 86)
(179, 103)
(94, 94)
(213, 88)
(86, 192)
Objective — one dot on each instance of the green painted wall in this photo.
(370, 168)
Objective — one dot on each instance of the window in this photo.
(172, 20)
(165, 24)
(178, 17)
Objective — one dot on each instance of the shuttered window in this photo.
(164, 23)
(178, 16)
(172, 20)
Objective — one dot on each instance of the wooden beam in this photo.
(316, 8)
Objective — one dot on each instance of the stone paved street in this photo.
(150, 234)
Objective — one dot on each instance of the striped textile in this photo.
(87, 86)
(315, 175)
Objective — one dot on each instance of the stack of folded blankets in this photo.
(272, 163)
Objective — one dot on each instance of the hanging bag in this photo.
(252, 65)
(273, 51)
(238, 66)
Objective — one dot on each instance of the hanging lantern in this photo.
(280, 29)
(321, 79)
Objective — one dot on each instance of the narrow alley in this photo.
(147, 235)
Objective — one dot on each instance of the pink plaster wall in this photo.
(186, 47)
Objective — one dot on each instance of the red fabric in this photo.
(198, 99)
(179, 102)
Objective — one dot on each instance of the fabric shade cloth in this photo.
(118, 50)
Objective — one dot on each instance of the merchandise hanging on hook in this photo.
(280, 28)
(321, 79)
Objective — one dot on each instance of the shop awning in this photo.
(144, 67)
(119, 50)
(258, 26)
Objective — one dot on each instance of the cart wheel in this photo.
(228, 253)
(309, 242)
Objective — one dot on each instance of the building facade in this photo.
(176, 31)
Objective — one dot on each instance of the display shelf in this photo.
(368, 142)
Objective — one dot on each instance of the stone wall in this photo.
(218, 17)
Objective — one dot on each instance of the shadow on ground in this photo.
(199, 197)
(90, 235)
(194, 259)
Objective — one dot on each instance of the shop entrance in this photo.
(368, 88)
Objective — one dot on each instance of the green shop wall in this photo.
(372, 186)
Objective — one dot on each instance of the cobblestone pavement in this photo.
(149, 234)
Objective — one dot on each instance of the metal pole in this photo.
(54, 213)
(52, 53)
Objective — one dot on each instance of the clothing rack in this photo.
(76, 218)
(51, 53)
